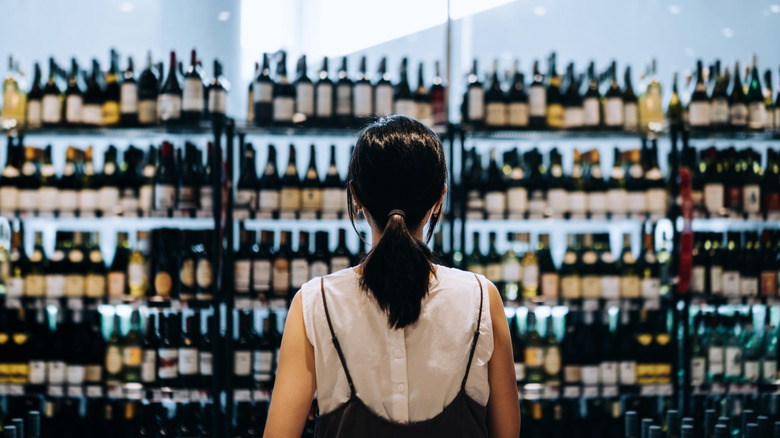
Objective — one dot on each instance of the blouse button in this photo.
(400, 387)
(399, 354)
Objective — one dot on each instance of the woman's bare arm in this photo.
(295, 379)
(503, 408)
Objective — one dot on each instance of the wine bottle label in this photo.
(406, 107)
(74, 285)
(128, 98)
(331, 200)
(9, 197)
(28, 199)
(591, 286)
(384, 100)
(269, 200)
(246, 198)
(578, 202)
(494, 272)
(734, 197)
(517, 200)
(511, 271)
(555, 116)
(608, 372)
(572, 373)
(243, 269)
(573, 117)
(637, 202)
(476, 104)
(204, 275)
(537, 100)
(147, 111)
(776, 125)
(92, 114)
(149, 366)
(261, 275)
(698, 279)
(217, 101)
(769, 369)
(751, 370)
(343, 100)
(769, 283)
(192, 95)
(630, 116)
(55, 285)
(738, 115)
(15, 287)
(110, 112)
(713, 197)
(627, 372)
(495, 203)
(95, 286)
(733, 361)
(363, 94)
(730, 283)
(34, 285)
(534, 357)
(132, 356)
(51, 109)
(531, 276)
(324, 100)
(656, 200)
(751, 196)
(136, 275)
(651, 288)
(311, 199)
(168, 359)
(146, 197)
(716, 280)
(597, 202)
(263, 92)
(108, 199)
(263, 362)
(339, 264)
(281, 276)
(699, 114)
(613, 112)
(170, 107)
(242, 363)
(757, 115)
(55, 371)
(571, 287)
(113, 360)
(290, 199)
(37, 373)
(188, 361)
(34, 113)
(518, 114)
(698, 370)
(425, 113)
(163, 284)
(319, 269)
(284, 108)
(719, 111)
(590, 374)
(558, 200)
(550, 285)
(748, 286)
(496, 114)
(715, 361)
(519, 371)
(88, 200)
(475, 201)
(164, 196)
(610, 287)
(552, 361)
(205, 198)
(205, 363)
(592, 111)
(299, 272)
(73, 108)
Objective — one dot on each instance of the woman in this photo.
(397, 346)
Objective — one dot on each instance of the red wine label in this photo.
(170, 107)
(128, 98)
(168, 363)
(734, 197)
(188, 361)
(518, 114)
(324, 100)
(496, 114)
(384, 100)
(537, 100)
(192, 95)
(363, 100)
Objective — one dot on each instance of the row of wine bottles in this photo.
(28, 426)
(597, 101)
(114, 97)
(344, 102)
(522, 186)
(588, 270)
(134, 187)
(747, 424)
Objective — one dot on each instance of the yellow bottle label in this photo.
(555, 115)
(110, 113)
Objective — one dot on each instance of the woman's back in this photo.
(403, 375)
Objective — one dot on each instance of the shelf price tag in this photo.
(181, 395)
(261, 395)
(75, 304)
(551, 392)
(242, 303)
(114, 391)
(242, 395)
(55, 391)
(571, 392)
(75, 391)
(609, 391)
(590, 391)
(94, 391)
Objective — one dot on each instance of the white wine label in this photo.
(281, 276)
(572, 374)
(590, 375)
(261, 273)
(494, 272)
(597, 202)
(362, 105)
(537, 100)
(116, 284)
(751, 370)
(558, 201)
(73, 109)
(283, 109)
(290, 199)
(51, 110)
(609, 373)
(531, 276)
(716, 280)
(552, 361)
(496, 114)
(613, 112)
(304, 99)
(592, 111)
(517, 200)
(610, 286)
(34, 285)
(169, 363)
(15, 287)
(518, 113)
(698, 370)
(263, 92)
(331, 200)
(113, 359)
(757, 115)
(9, 198)
(147, 112)
(495, 203)
(263, 362)
(192, 95)
(242, 363)
(88, 200)
(188, 361)
(578, 202)
(343, 100)
(573, 117)
(591, 286)
(550, 285)
(319, 269)
(651, 288)
(738, 114)
(146, 198)
(206, 198)
(217, 101)
(34, 113)
(246, 198)
(630, 116)
(324, 100)
(715, 361)
(733, 359)
(730, 283)
(203, 273)
(92, 114)
(656, 200)
(28, 200)
(205, 363)
(128, 98)
(719, 111)
(384, 100)
(95, 286)
(748, 286)
(751, 198)
(311, 199)
(299, 273)
(571, 287)
(37, 372)
(637, 202)
(627, 372)
(164, 196)
(698, 279)
(149, 366)
(55, 285)
(699, 114)
(108, 199)
(406, 107)
(243, 269)
(55, 371)
(476, 103)
(769, 369)
(339, 264)
(170, 107)
(511, 271)
(269, 200)
(425, 113)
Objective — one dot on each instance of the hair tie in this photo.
(398, 212)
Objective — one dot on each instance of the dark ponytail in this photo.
(397, 173)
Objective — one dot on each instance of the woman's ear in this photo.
(353, 198)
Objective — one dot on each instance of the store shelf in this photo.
(586, 304)
(301, 224)
(80, 303)
(124, 132)
(126, 391)
(517, 134)
(314, 131)
(719, 225)
(553, 225)
(117, 223)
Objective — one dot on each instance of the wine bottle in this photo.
(217, 93)
(242, 263)
(757, 116)
(73, 97)
(591, 102)
(551, 355)
(18, 261)
(383, 91)
(738, 103)
(114, 356)
(281, 266)
(242, 353)
(629, 271)
(343, 111)
(54, 268)
(165, 268)
(323, 110)
(495, 190)
(577, 196)
(75, 269)
(51, 104)
(530, 263)
(304, 94)
(319, 266)
(29, 182)
(34, 100)
(188, 353)
(128, 97)
(37, 350)
(192, 99)
(719, 103)
(290, 192)
(649, 279)
(554, 99)
(630, 104)
(111, 96)
(655, 186)
(495, 102)
(204, 274)
(340, 258)
(573, 110)
(596, 188)
(613, 102)
(557, 196)
(299, 264)
(95, 279)
(92, 108)
(653, 108)
(165, 181)
(168, 350)
(116, 279)
(187, 283)
(402, 96)
(675, 110)
(363, 94)
(132, 350)
(170, 97)
(635, 185)
(571, 282)
(333, 192)
(517, 105)
(589, 268)
(517, 193)
(88, 186)
(492, 263)
(534, 352)
(283, 94)
(311, 190)
(263, 94)
(548, 275)
(699, 107)
(263, 358)
(262, 259)
(188, 186)
(35, 276)
(246, 192)
(147, 94)
(205, 194)
(537, 100)
(149, 346)
(269, 186)
(570, 354)
(9, 179)
(422, 97)
(474, 101)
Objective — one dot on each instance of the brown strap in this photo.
(336, 341)
(476, 335)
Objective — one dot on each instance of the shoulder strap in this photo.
(476, 334)
(336, 341)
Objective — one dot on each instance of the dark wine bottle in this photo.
(192, 99)
(311, 189)
(262, 260)
(440, 115)
(168, 351)
(170, 98)
(323, 110)
(242, 352)
(738, 103)
(537, 100)
(281, 266)
(242, 262)
(111, 95)
(51, 104)
(217, 93)
(517, 106)
(92, 109)
(165, 180)
(383, 91)
(283, 94)
(263, 94)
(128, 97)
(34, 100)
(290, 192)
(474, 102)
(591, 102)
(246, 190)
(495, 102)
(269, 186)
(189, 374)
(613, 102)
(147, 94)
(757, 115)
(343, 94)
(363, 93)
(304, 94)
(73, 97)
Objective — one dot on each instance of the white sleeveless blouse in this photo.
(404, 375)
